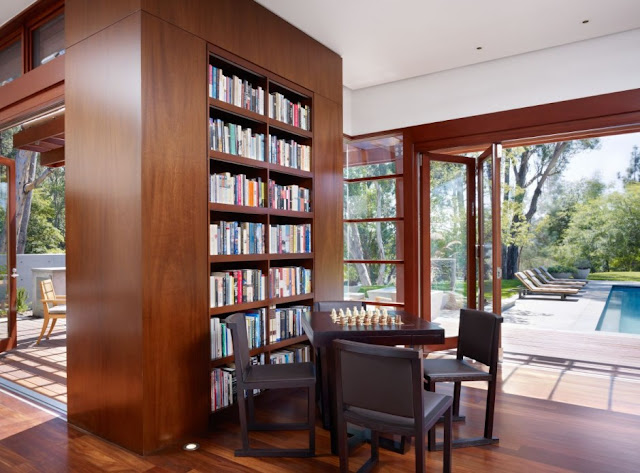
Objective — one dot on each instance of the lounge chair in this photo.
(558, 282)
(530, 289)
(539, 282)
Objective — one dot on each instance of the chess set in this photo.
(365, 317)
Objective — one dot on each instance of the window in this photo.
(48, 41)
(373, 221)
(10, 62)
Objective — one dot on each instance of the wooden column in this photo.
(136, 233)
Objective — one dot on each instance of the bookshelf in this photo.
(273, 157)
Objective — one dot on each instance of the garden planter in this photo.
(583, 273)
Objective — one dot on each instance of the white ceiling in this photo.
(10, 8)
(385, 40)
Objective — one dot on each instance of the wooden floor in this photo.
(550, 416)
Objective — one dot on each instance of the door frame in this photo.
(12, 340)
(474, 214)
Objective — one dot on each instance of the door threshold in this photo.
(56, 408)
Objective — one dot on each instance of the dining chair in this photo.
(54, 307)
(479, 340)
(380, 388)
(276, 376)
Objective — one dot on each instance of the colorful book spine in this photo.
(284, 239)
(289, 281)
(238, 286)
(226, 188)
(289, 153)
(236, 238)
(284, 110)
(291, 197)
(235, 91)
(234, 139)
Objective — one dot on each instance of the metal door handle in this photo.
(14, 273)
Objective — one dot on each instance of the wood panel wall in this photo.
(136, 200)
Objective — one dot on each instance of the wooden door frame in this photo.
(12, 340)
(425, 227)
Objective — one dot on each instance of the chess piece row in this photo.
(362, 317)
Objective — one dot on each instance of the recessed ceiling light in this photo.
(479, 48)
(191, 447)
(584, 22)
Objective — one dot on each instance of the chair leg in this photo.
(420, 453)
(375, 443)
(432, 431)
(53, 324)
(343, 446)
(251, 413)
(446, 454)
(491, 402)
(312, 419)
(242, 413)
(45, 322)
(456, 399)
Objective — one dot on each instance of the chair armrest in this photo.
(53, 301)
(61, 298)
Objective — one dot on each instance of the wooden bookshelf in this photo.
(264, 168)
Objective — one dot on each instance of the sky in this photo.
(612, 158)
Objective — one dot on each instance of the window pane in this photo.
(371, 240)
(370, 199)
(375, 157)
(373, 282)
(10, 62)
(48, 41)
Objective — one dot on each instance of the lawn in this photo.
(615, 276)
(510, 287)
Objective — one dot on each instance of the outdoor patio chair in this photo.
(54, 307)
(272, 376)
(479, 340)
(530, 289)
(556, 280)
(380, 388)
(533, 277)
(541, 276)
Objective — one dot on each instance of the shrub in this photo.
(583, 264)
(21, 300)
(561, 269)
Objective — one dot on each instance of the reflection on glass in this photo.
(10, 62)
(370, 199)
(374, 157)
(448, 219)
(4, 280)
(373, 282)
(486, 253)
(48, 41)
(371, 240)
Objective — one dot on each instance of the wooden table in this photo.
(322, 332)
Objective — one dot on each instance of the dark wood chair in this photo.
(380, 388)
(280, 376)
(326, 306)
(323, 372)
(478, 339)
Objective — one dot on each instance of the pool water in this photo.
(622, 311)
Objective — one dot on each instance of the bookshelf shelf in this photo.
(229, 309)
(240, 209)
(285, 256)
(238, 111)
(253, 228)
(232, 158)
(294, 130)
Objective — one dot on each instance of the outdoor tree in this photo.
(30, 176)
(527, 170)
(632, 174)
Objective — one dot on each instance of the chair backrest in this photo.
(541, 276)
(326, 306)
(479, 336)
(525, 280)
(238, 325)
(382, 379)
(547, 273)
(46, 286)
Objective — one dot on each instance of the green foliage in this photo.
(559, 268)
(615, 276)
(510, 287)
(583, 264)
(42, 235)
(21, 300)
(632, 173)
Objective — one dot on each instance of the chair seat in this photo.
(58, 309)
(435, 405)
(453, 370)
(282, 376)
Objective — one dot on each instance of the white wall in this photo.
(592, 67)
(346, 109)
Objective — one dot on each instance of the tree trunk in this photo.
(25, 174)
(379, 241)
(510, 262)
(355, 252)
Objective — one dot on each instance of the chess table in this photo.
(322, 331)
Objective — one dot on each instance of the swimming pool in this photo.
(622, 311)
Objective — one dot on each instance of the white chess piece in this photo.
(349, 314)
(363, 312)
(341, 313)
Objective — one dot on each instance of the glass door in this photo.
(8, 329)
(448, 235)
(488, 230)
